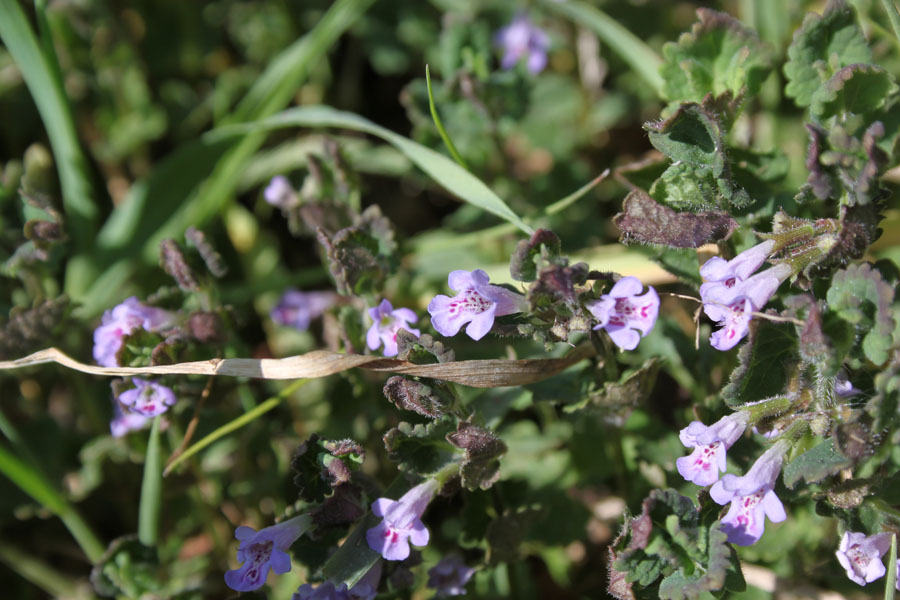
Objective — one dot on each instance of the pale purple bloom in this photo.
(147, 398)
(702, 466)
(125, 421)
(521, 39)
(263, 550)
(624, 314)
(280, 193)
(752, 498)
(297, 309)
(402, 522)
(732, 292)
(844, 389)
(387, 321)
(449, 576)
(123, 320)
(861, 555)
(477, 303)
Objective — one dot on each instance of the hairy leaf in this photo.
(855, 88)
(481, 466)
(816, 464)
(644, 220)
(822, 45)
(718, 55)
(860, 296)
(722, 570)
(542, 247)
(321, 465)
(766, 362)
(421, 449)
(410, 394)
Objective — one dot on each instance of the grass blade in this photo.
(151, 490)
(41, 73)
(244, 419)
(630, 48)
(893, 16)
(40, 573)
(440, 126)
(32, 482)
(444, 171)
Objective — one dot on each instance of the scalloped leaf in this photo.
(722, 570)
(718, 55)
(815, 464)
(857, 88)
(540, 249)
(823, 44)
(860, 296)
(480, 468)
(422, 449)
(766, 363)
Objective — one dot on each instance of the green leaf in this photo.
(853, 89)
(480, 468)
(40, 70)
(128, 568)
(766, 362)
(718, 55)
(421, 449)
(721, 567)
(816, 464)
(860, 296)
(541, 248)
(822, 45)
(321, 465)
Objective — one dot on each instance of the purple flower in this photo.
(297, 309)
(861, 555)
(477, 302)
(702, 466)
(147, 398)
(402, 522)
(521, 38)
(731, 292)
(264, 549)
(125, 421)
(123, 320)
(622, 313)
(280, 193)
(386, 323)
(449, 576)
(752, 498)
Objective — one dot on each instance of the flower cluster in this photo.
(365, 589)
(121, 321)
(477, 303)
(401, 522)
(752, 496)
(624, 314)
(386, 322)
(733, 292)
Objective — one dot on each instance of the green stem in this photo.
(236, 424)
(440, 126)
(766, 408)
(889, 585)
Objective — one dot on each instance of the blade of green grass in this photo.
(440, 126)
(444, 171)
(891, 582)
(151, 490)
(32, 482)
(630, 48)
(41, 73)
(893, 16)
(234, 425)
